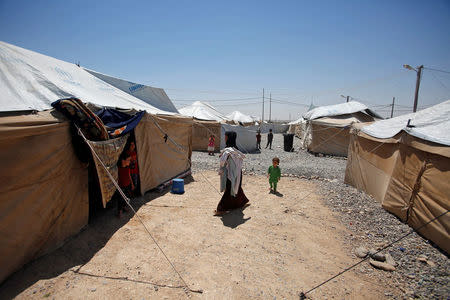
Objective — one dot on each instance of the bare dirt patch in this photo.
(277, 247)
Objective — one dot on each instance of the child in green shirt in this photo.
(274, 174)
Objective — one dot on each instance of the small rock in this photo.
(390, 260)
(378, 256)
(430, 263)
(422, 259)
(381, 265)
(361, 252)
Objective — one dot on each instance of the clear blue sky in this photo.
(223, 50)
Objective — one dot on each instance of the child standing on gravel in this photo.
(211, 145)
(274, 174)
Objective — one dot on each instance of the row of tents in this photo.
(44, 196)
(209, 121)
(403, 162)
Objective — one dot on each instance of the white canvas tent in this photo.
(239, 117)
(154, 96)
(44, 191)
(297, 127)
(203, 111)
(246, 139)
(404, 163)
(328, 127)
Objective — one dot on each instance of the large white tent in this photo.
(154, 96)
(203, 111)
(32, 81)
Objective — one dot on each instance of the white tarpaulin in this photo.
(431, 124)
(245, 140)
(338, 109)
(202, 111)
(151, 95)
(32, 81)
(237, 116)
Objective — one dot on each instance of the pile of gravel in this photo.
(422, 270)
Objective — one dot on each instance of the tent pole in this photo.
(262, 117)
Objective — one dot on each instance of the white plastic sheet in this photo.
(237, 116)
(336, 110)
(431, 124)
(202, 111)
(154, 96)
(32, 81)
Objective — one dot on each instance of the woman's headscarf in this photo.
(231, 139)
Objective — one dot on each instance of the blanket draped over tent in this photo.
(108, 152)
(118, 123)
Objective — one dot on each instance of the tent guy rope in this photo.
(127, 201)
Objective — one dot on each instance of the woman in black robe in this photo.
(229, 202)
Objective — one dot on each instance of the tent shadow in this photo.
(234, 218)
(77, 250)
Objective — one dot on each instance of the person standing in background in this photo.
(269, 139)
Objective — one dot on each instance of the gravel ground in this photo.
(298, 162)
(422, 270)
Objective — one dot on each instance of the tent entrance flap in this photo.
(109, 152)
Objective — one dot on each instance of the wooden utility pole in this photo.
(262, 118)
(270, 108)
(416, 94)
(392, 109)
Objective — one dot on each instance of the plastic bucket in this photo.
(178, 186)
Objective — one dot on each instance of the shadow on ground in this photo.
(234, 218)
(78, 250)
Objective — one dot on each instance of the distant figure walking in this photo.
(211, 145)
(231, 161)
(269, 139)
(258, 139)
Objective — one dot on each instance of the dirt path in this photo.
(275, 248)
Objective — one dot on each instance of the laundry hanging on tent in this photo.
(77, 112)
(118, 123)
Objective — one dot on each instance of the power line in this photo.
(438, 80)
(234, 104)
(217, 100)
(437, 70)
